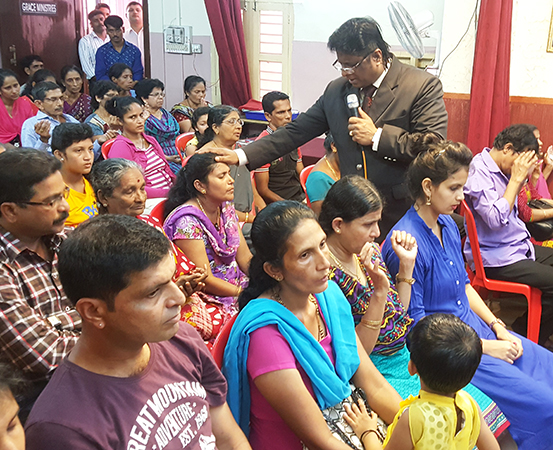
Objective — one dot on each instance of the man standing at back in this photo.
(135, 35)
(397, 103)
(38, 325)
(118, 50)
(89, 44)
(280, 179)
(146, 379)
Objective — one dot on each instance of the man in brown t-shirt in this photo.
(138, 377)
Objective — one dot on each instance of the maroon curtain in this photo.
(228, 34)
(489, 93)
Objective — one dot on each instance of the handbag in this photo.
(541, 230)
(334, 417)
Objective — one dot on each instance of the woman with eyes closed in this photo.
(194, 97)
(137, 146)
(293, 349)
(202, 222)
(224, 127)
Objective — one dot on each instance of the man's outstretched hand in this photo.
(224, 155)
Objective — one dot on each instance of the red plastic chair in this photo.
(181, 141)
(218, 349)
(480, 281)
(157, 211)
(106, 147)
(303, 179)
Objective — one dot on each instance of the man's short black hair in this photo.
(114, 21)
(26, 61)
(22, 169)
(100, 89)
(520, 136)
(99, 257)
(67, 134)
(359, 36)
(40, 91)
(445, 351)
(269, 99)
(133, 4)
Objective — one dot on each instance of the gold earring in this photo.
(203, 191)
(62, 160)
(279, 278)
(428, 200)
(100, 325)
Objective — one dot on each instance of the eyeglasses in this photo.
(349, 70)
(158, 95)
(50, 203)
(234, 122)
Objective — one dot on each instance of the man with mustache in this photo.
(38, 325)
(36, 131)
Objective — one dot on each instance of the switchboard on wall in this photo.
(178, 40)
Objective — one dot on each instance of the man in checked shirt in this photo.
(38, 325)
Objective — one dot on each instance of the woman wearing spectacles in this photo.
(136, 146)
(224, 127)
(159, 123)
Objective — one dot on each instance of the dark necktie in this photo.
(368, 93)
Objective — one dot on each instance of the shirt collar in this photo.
(489, 162)
(379, 80)
(269, 130)
(14, 247)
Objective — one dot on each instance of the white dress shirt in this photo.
(137, 39)
(87, 52)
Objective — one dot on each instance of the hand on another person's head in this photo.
(224, 155)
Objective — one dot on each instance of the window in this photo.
(268, 29)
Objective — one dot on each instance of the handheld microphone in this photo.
(353, 105)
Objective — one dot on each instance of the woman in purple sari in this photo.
(202, 222)
(75, 102)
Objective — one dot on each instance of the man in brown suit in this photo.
(398, 104)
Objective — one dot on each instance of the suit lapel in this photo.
(385, 94)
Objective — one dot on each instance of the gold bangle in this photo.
(247, 215)
(410, 281)
(238, 290)
(371, 324)
(366, 432)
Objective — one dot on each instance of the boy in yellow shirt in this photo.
(72, 145)
(445, 352)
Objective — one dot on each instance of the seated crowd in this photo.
(121, 264)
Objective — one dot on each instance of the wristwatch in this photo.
(497, 321)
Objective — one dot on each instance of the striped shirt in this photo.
(155, 170)
(30, 294)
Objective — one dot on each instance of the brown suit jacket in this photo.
(408, 101)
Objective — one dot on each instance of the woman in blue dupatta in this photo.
(293, 351)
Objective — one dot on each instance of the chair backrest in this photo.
(157, 211)
(303, 180)
(106, 147)
(181, 141)
(218, 349)
(470, 225)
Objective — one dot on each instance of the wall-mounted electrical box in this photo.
(197, 48)
(178, 40)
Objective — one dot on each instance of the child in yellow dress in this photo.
(445, 352)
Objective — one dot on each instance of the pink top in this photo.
(10, 126)
(268, 352)
(542, 187)
(124, 148)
